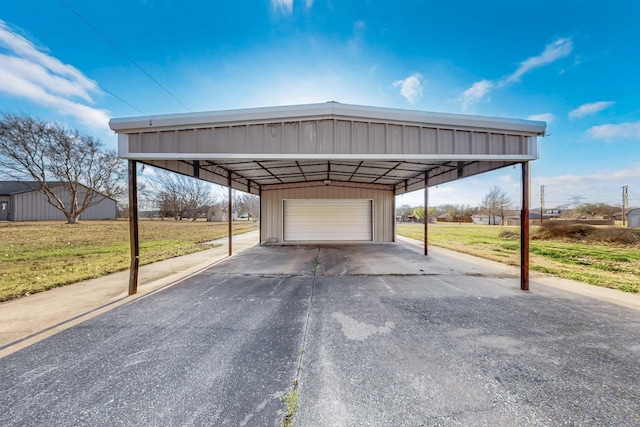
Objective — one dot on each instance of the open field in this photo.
(614, 266)
(36, 256)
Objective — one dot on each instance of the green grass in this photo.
(610, 265)
(37, 256)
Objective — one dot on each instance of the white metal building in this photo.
(328, 172)
(633, 218)
(21, 201)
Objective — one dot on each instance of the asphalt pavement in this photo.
(372, 335)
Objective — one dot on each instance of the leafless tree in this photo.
(592, 210)
(246, 203)
(179, 196)
(53, 158)
(495, 203)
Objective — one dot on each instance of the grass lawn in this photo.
(36, 256)
(614, 266)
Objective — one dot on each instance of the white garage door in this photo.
(328, 220)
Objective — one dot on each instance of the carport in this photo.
(327, 172)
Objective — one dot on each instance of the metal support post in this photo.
(230, 216)
(426, 214)
(524, 228)
(134, 241)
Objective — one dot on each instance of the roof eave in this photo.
(323, 111)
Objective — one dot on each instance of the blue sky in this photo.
(573, 64)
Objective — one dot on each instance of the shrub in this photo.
(571, 231)
(508, 234)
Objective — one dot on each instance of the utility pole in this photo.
(625, 202)
(541, 203)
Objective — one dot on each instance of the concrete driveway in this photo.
(371, 334)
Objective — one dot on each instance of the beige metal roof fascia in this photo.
(219, 118)
(303, 157)
(323, 111)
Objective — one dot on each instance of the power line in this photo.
(124, 54)
(76, 72)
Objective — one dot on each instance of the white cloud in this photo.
(599, 187)
(587, 180)
(308, 3)
(475, 93)
(411, 87)
(27, 72)
(285, 6)
(609, 132)
(544, 117)
(552, 52)
(357, 35)
(590, 108)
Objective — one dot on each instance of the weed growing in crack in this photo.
(291, 402)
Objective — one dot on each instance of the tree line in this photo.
(496, 204)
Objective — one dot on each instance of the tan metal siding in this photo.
(308, 132)
(411, 140)
(272, 200)
(329, 136)
(325, 137)
(33, 206)
(273, 138)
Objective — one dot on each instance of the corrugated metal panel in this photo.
(33, 206)
(330, 137)
(328, 220)
(273, 138)
(308, 136)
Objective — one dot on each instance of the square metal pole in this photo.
(230, 207)
(524, 228)
(134, 241)
(426, 215)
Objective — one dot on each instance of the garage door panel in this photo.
(328, 220)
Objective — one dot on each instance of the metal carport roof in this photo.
(260, 149)
(359, 145)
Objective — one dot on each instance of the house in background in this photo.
(633, 218)
(21, 201)
(486, 219)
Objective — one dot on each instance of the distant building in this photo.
(217, 214)
(553, 213)
(21, 201)
(633, 218)
(486, 219)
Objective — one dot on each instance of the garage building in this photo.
(23, 201)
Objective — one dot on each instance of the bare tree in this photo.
(246, 203)
(53, 158)
(495, 203)
(179, 196)
(595, 209)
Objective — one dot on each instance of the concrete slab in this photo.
(207, 351)
(373, 334)
(408, 351)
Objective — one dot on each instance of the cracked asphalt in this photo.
(375, 335)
